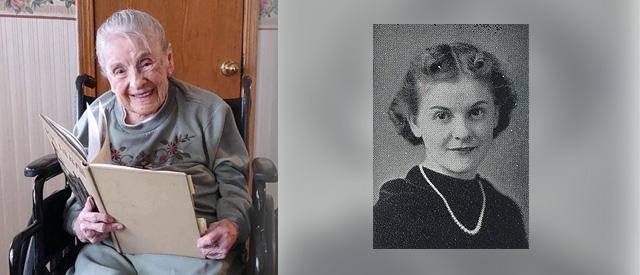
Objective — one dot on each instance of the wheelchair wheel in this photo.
(30, 257)
(271, 226)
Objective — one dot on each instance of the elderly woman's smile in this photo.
(138, 76)
(143, 95)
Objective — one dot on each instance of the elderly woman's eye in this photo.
(118, 71)
(477, 113)
(146, 64)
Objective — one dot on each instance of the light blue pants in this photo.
(104, 259)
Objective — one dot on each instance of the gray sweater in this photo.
(194, 132)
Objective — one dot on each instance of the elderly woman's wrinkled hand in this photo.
(218, 240)
(92, 226)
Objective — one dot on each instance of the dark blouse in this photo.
(410, 214)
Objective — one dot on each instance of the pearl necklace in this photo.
(484, 202)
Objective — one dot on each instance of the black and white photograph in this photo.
(450, 136)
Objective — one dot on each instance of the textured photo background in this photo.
(583, 137)
(507, 166)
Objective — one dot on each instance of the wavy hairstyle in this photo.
(447, 62)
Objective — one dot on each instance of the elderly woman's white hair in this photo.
(130, 23)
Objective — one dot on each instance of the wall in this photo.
(266, 113)
(38, 65)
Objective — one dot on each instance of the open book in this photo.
(156, 207)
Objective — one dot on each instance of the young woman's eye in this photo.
(477, 113)
(443, 116)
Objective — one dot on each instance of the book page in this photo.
(72, 159)
(69, 139)
(99, 150)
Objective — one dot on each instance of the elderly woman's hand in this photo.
(92, 226)
(219, 239)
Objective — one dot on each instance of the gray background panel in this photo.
(583, 132)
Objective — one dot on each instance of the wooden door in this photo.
(203, 35)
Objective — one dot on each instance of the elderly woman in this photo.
(159, 122)
(455, 101)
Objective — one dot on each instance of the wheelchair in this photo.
(44, 247)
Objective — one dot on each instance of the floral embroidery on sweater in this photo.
(166, 154)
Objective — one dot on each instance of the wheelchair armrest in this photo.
(264, 170)
(45, 166)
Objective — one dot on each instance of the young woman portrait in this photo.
(458, 185)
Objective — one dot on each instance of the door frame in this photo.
(251, 16)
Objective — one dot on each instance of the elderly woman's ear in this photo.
(170, 66)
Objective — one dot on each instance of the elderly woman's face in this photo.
(456, 121)
(138, 75)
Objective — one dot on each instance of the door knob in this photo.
(229, 68)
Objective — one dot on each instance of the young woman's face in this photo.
(456, 122)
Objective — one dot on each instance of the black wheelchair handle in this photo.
(264, 170)
(45, 165)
